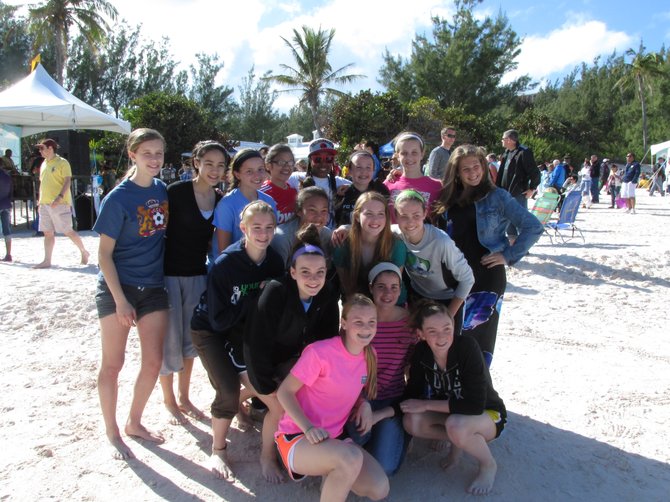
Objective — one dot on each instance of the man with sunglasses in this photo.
(629, 181)
(437, 161)
(55, 202)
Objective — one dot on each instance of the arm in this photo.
(222, 314)
(530, 230)
(456, 263)
(223, 239)
(125, 313)
(63, 191)
(432, 164)
(286, 394)
(532, 172)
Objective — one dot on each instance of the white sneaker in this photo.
(632, 211)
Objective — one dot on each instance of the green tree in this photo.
(462, 65)
(216, 99)
(256, 118)
(313, 74)
(14, 46)
(51, 22)
(639, 74)
(181, 121)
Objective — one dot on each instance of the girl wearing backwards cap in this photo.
(247, 173)
(292, 312)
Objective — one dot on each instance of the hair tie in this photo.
(306, 249)
(406, 136)
(243, 155)
(410, 194)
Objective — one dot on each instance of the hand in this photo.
(55, 203)
(394, 174)
(339, 235)
(414, 406)
(529, 193)
(316, 434)
(342, 190)
(126, 315)
(493, 259)
(362, 418)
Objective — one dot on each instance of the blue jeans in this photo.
(595, 190)
(523, 202)
(386, 442)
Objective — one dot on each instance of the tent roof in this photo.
(660, 147)
(37, 104)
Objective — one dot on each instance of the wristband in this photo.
(309, 429)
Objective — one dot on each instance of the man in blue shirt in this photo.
(629, 181)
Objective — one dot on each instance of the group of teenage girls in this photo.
(259, 303)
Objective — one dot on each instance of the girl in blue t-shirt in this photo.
(246, 175)
(131, 292)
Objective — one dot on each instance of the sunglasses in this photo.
(322, 160)
(452, 136)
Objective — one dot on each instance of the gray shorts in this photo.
(144, 300)
(183, 295)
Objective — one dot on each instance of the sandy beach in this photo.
(582, 362)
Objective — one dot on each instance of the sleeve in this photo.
(222, 313)
(341, 255)
(329, 318)
(111, 218)
(433, 162)
(456, 263)
(416, 382)
(398, 253)
(224, 219)
(471, 400)
(259, 339)
(308, 367)
(65, 169)
(531, 169)
(530, 229)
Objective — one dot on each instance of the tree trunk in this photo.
(643, 103)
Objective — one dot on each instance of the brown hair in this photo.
(135, 139)
(424, 309)
(359, 300)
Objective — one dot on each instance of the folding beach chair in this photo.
(544, 206)
(566, 218)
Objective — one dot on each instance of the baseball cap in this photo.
(322, 145)
(384, 266)
(49, 143)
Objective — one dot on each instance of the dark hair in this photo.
(240, 158)
(423, 309)
(308, 193)
(445, 129)
(203, 147)
(453, 191)
(307, 236)
(275, 150)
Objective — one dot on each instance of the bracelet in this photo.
(309, 429)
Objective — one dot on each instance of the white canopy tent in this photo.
(38, 104)
(662, 148)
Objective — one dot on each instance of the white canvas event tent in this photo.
(38, 104)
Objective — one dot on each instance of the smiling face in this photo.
(361, 171)
(360, 327)
(470, 171)
(148, 157)
(385, 289)
(211, 167)
(309, 272)
(322, 163)
(258, 230)
(410, 153)
(251, 174)
(409, 215)
(373, 218)
(280, 168)
(315, 210)
(438, 332)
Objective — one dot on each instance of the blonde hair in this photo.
(359, 300)
(384, 244)
(135, 139)
(254, 208)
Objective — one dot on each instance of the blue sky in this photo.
(557, 36)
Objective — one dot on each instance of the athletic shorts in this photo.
(286, 448)
(627, 190)
(144, 300)
(55, 219)
(498, 420)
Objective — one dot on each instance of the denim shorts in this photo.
(144, 300)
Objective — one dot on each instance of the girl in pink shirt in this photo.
(318, 396)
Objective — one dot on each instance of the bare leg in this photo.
(151, 329)
(428, 425)
(244, 422)
(113, 337)
(184, 384)
(371, 482)
(218, 462)
(471, 433)
(272, 472)
(74, 237)
(8, 249)
(170, 401)
(49, 242)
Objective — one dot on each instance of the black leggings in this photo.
(214, 351)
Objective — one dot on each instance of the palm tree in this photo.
(638, 75)
(312, 74)
(51, 21)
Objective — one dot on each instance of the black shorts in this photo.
(144, 300)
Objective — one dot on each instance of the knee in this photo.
(379, 489)
(410, 422)
(110, 369)
(456, 429)
(350, 461)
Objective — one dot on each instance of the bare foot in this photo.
(187, 407)
(483, 483)
(220, 466)
(439, 445)
(84, 257)
(176, 416)
(452, 459)
(44, 264)
(271, 470)
(141, 432)
(120, 450)
(244, 422)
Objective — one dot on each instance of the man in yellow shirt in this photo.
(56, 202)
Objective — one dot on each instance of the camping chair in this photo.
(566, 218)
(544, 206)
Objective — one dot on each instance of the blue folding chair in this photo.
(566, 218)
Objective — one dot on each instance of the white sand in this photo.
(582, 363)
